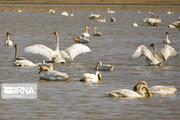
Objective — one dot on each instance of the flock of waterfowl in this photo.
(60, 56)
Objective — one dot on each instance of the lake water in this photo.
(74, 99)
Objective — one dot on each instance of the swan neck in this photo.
(57, 42)
(166, 36)
(86, 30)
(154, 50)
(97, 66)
(8, 38)
(16, 51)
(94, 31)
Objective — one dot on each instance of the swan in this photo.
(52, 11)
(81, 39)
(56, 55)
(139, 12)
(158, 89)
(71, 14)
(102, 20)
(91, 78)
(166, 40)
(135, 24)
(86, 34)
(153, 58)
(94, 16)
(131, 94)
(153, 21)
(8, 42)
(96, 33)
(113, 19)
(25, 63)
(175, 24)
(49, 65)
(151, 13)
(110, 11)
(64, 14)
(52, 74)
(169, 12)
(16, 53)
(104, 67)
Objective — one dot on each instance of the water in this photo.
(76, 100)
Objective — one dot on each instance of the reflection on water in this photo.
(76, 100)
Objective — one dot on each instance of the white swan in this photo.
(16, 54)
(64, 14)
(135, 24)
(56, 55)
(86, 34)
(131, 94)
(25, 63)
(153, 58)
(94, 16)
(52, 11)
(151, 13)
(102, 20)
(175, 24)
(153, 21)
(52, 74)
(113, 19)
(72, 13)
(110, 11)
(81, 39)
(104, 67)
(8, 42)
(158, 89)
(169, 12)
(49, 65)
(96, 33)
(166, 40)
(91, 78)
(139, 12)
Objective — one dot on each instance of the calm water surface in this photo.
(76, 100)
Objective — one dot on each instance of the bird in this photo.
(154, 59)
(71, 14)
(113, 19)
(65, 14)
(166, 40)
(151, 12)
(126, 93)
(57, 56)
(94, 16)
(110, 11)
(81, 39)
(25, 63)
(169, 12)
(152, 21)
(8, 42)
(102, 20)
(49, 65)
(91, 78)
(158, 89)
(139, 12)
(135, 24)
(52, 11)
(16, 54)
(104, 67)
(86, 34)
(52, 74)
(96, 33)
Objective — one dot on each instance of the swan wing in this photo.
(76, 50)
(41, 50)
(141, 51)
(168, 51)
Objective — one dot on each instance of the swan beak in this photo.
(76, 39)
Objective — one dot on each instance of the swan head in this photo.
(87, 27)
(8, 33)
(95, 28)
(147, 90)
(77, 38)
(138, 84)
(55, 33)
(167, 33)
(15, 45)
(43, 68)
(152, 45)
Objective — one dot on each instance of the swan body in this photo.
(25, 63)
(94, 16)
(135, 24)
(91, 78)
(113, 19)
(110, 11)
(52, 74)
(139, 12)
(175, 24)
(104, 67)
(158, 89)
(8, 42)
(125, 93)
(86, 34)
(169, 12)
(102, 20)
(71, 14)
(56, 55)
(96, 33)
(81, 39)
(166, 40)
(64, 14)
(151, 13)
(153, 58)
